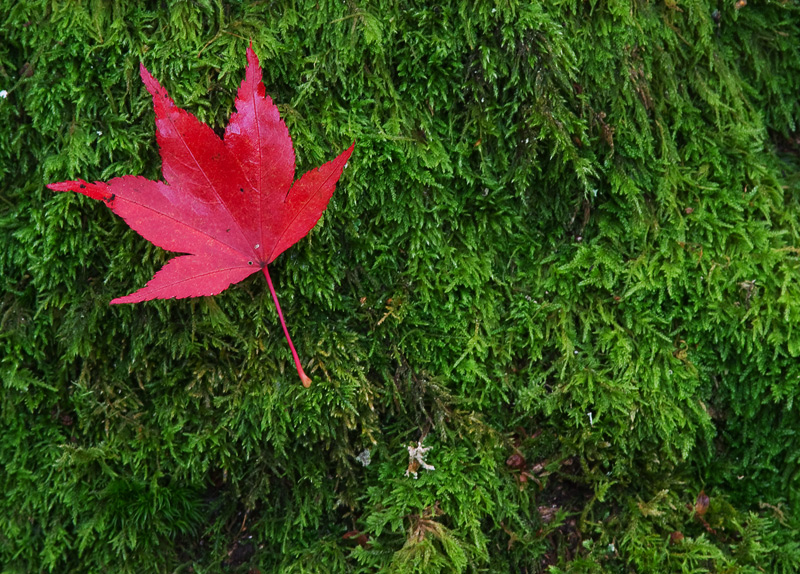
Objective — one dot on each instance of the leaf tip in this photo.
(97, 190)
(76, 185)
(144, 73)
(152, 85)
(252, 59)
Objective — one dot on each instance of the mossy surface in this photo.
(565, 256)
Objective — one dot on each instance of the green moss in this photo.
(565, 254)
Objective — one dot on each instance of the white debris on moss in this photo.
(3, 94)
(364, 457)
(416, 459)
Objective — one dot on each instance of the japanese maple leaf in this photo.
(230, 204)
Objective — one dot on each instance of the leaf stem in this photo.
(303, 377)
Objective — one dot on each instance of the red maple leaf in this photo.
(229, 203)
